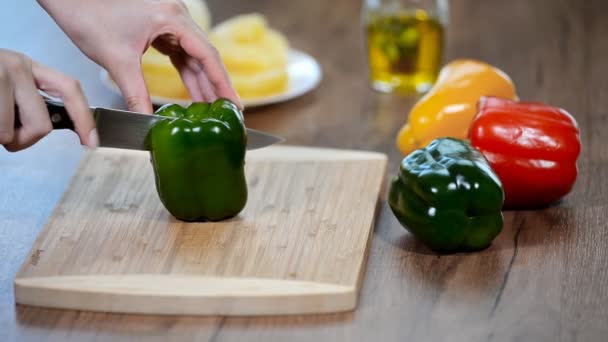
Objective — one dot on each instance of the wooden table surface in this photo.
(544, 278)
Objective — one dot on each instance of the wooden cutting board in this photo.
(299, 246)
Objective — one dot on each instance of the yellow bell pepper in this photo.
(448, 109)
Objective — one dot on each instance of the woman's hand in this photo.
(116, 33)
(20, 80)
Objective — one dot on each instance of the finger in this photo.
(34, 117)
(7, 108)
(189, 78)
(206, 87)
(68, 89)
(207, 92)
(130, 79)
(195, 43)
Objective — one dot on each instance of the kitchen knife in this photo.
(128, 130)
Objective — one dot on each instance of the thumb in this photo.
(130, 79)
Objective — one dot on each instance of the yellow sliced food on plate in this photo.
(161, 77)
(269, 52)
(267, 83)
(248, 45)
(254, 54)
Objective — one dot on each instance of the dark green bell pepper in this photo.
(448, 197)
(199, 160)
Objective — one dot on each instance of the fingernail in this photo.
(93, 141)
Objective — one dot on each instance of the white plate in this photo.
(303, 71)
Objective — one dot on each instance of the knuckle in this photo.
(45, 129)
(175, 7)
(168, 10)
(16, 61)
(6, 136)
(72, 85)
(40, 131)
(133, 102)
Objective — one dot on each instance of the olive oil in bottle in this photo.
(405, 50)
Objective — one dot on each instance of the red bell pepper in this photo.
(532, 147)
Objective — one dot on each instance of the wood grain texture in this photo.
(299, 246)
(544, 279)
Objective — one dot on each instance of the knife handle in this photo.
(57, 113)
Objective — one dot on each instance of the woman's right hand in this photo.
(20, 80)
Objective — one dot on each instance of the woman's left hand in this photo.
(116, 33)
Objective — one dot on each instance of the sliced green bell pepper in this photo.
(199, 160)
(448, 197)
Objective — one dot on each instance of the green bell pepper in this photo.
(448, 197)
(199, 160)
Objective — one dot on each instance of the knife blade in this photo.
(128, 130)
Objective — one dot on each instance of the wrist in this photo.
(47, 4)
(67, 14)
(58, 7)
